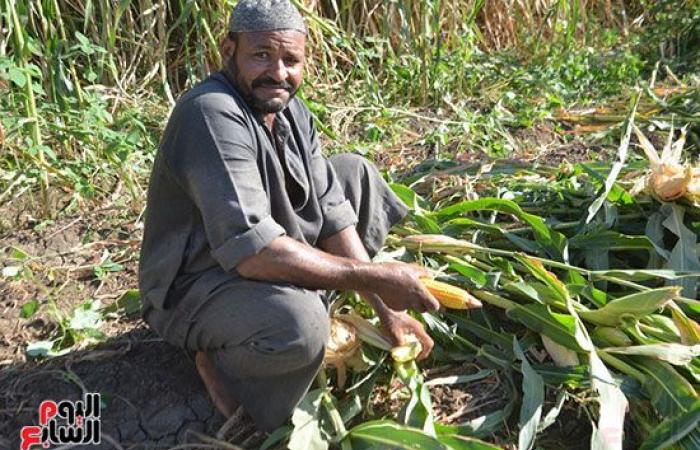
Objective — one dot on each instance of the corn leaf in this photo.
(561, 328)
(459, 379)
(553, 242)
(385, 434)
(533, 398)
(456, 442)
(408, 196)
(556, 286)
(502, 339)
(307, 431)
(609, 240)
(617, 165)
(674, 430)
(576, 377)
(635, 305)
(676, 354)
(670, 393)
(475, 276)
(613, 404)
(688, 328)
(641, 274)
(684, 255)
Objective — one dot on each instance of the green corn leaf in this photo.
(533, 398)
(385, 434)
(641, 274)
(635, 305)
(684, 255)
(465, 325)
(459, 379)
(561, 328)
(676, 430)
(557, 288)
(676, 354)
(307, 430)
(608, 433)
(426, 224)
(553, 242)
(576, 377)
(609, 240)
(407, 195)
(533, 290)
(617, 165)
(669, 392)
(688, 329)
(459, 225)
(476, 276)
(456, 442)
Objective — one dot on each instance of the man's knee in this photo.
(297, 331)
(350, 166)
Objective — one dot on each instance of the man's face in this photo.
(267, 67)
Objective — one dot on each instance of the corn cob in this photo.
(450, 296)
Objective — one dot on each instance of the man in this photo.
(246, 221)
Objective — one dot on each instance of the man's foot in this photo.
(220, 395)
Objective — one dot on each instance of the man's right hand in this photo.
(399, 286)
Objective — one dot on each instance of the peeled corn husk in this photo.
(343, 341)
(343, 349)
(669, 179)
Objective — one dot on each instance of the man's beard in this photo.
(259, 105)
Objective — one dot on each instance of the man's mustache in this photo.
(269, 82)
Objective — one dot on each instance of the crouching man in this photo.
(247, 221)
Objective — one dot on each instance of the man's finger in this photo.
(426, 346)
(430, 302)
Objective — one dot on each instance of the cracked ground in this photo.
(152, 395)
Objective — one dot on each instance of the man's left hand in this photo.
(399, 325)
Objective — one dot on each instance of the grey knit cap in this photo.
(265, 15)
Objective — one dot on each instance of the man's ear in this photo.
(227, 48)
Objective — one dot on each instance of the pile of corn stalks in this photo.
(588, 276)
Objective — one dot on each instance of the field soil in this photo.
(152, 395)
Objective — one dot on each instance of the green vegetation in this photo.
(505, 126)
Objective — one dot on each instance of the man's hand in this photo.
(399, 325)
(400, 287)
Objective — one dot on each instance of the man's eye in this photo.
(291, 61)
(262, 55)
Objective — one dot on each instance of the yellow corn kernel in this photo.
(450, 296)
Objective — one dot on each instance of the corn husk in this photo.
(343, 349)
(669, 179)
(408, 351)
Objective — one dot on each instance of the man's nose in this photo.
(278, 71)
